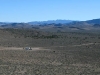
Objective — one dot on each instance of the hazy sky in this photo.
(40, 10)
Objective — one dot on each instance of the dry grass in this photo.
(55, 61)
(72, 53)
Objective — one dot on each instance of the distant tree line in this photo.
(26, 33)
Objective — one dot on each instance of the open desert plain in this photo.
(52, 53)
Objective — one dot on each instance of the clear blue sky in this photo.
(40, 10)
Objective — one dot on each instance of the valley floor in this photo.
(53, 53)
(75, 59)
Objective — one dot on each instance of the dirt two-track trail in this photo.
(21, 48)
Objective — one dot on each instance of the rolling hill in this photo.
(55, 25)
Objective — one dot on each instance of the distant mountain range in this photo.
(50, 22)
(95, 23)
(15, 25)
(3, 23)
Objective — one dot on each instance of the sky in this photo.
(43, 10)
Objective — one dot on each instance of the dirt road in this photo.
(21, 48)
